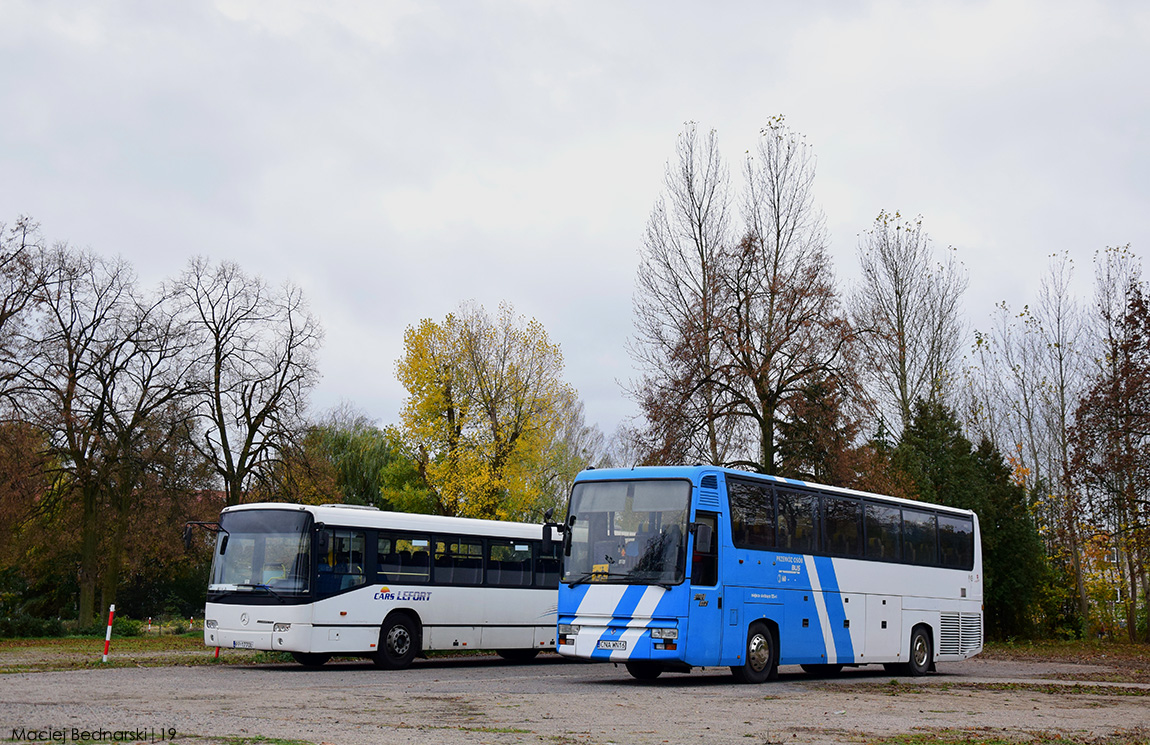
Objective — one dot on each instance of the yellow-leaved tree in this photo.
(484, 406)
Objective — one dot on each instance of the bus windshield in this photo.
(266, 550)
(628, 532)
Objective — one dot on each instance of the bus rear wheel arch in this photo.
(760, 656)
(399, 641)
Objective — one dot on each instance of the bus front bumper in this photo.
(619, 641)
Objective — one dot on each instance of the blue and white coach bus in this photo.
(344, 580)
(670, 568)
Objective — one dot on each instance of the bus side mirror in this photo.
(322, 539)
(568, 531)
(702, 537)
(224, 544)
(548, 542)
(187, 537)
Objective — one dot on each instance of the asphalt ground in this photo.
(482, 699)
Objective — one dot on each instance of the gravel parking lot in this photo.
(485, 700)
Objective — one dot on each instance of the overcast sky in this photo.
(397, 158)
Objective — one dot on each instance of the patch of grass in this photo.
(896, 688)
(259, 740)
(984, 736)
(79, 653)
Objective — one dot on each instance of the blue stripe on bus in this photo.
(836, 613)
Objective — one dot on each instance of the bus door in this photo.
(705, 601)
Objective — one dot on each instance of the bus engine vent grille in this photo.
(959, 633)
(710, 481)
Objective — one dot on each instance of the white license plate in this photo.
(610, 644)
(243, 645)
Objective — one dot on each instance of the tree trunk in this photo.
(89, 546)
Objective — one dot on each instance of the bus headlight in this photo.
(665, 638)
(281, 627)
(567, 633)
(210, 624)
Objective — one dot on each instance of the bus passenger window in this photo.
(547, 567)
(705, 564)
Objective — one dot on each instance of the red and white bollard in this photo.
(108, 636)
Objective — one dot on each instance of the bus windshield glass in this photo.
(628, 532)
(263, 550)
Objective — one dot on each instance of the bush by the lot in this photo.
(24, 626)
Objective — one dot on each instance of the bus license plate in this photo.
(611, 644)
(243, 645)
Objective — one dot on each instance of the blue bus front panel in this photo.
(622, 622)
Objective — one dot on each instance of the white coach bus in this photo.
(344, 580)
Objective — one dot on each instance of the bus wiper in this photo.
(249, 586)
(590, 576)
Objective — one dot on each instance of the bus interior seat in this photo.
(468, 571)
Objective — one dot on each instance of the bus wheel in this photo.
(310, 659)
(921, 653)
(517, 655)
(822, 670)
(644, 669)
(398, 642)
(759, 660)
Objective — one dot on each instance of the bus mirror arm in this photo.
(549, 528)
(212, 525)
(702, 533)
(568, 530)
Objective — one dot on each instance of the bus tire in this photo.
(644, 669)
(517, 655)
(921, 652)
(310, 659)
(822, 670)
(760, 657)
(398, 642)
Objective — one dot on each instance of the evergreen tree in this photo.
(947, 469)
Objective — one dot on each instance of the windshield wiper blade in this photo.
(591, 576)
(252, 586)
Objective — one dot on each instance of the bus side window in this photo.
(705, 565)
(547, 567)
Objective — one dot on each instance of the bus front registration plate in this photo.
(611, 644)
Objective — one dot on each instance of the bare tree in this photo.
(20, 279)
(79, 338)
(1111, 436)
(781, 327)
(906, 309)
(255, 365)
(148, 388)
(727, 328)
(1061, 326)
(676, 306)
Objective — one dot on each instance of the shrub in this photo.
(22, 625)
